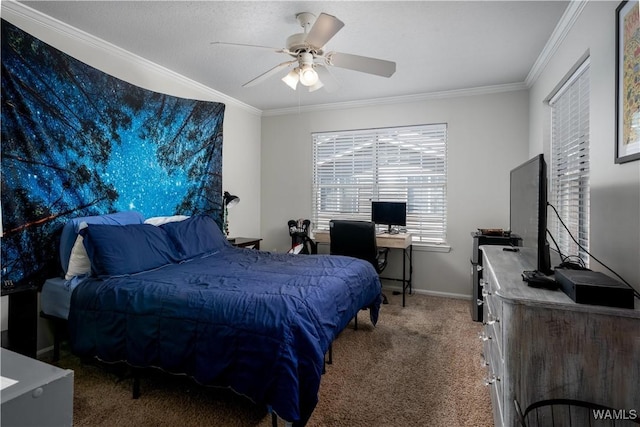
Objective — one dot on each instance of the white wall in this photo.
(615, 188)
(487, 137)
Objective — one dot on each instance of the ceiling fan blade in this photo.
(379, 67)
(329, 82)
(275, 49)
(269, 73)
(325, 27)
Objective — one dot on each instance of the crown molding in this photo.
(21, 15)
(419, 97)
(566, 22)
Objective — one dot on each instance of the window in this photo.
(569, 190)
(405, 164)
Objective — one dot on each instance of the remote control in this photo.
(535, 279)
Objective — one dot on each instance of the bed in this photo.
(179, 297)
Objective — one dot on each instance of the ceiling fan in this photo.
(311, 62)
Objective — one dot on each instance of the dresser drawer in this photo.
(493, 319)
(493, 356)
(493, 379)
(496, 404)
(492, 315)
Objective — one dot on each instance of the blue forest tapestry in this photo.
(79, 142)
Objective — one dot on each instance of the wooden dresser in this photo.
(539, 344)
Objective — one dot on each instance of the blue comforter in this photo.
(255, 321)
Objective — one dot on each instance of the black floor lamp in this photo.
(229, 201)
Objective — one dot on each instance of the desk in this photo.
(392, 241)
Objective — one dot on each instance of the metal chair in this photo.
(357, 239)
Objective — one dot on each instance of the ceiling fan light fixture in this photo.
(316, 86)
(292, 78)
(308, 76)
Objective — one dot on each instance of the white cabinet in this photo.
(539, 344)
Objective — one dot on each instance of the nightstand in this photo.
(22, 334)
(246, 242)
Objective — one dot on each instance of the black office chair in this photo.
(357, 239)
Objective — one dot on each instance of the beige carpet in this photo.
(419, 367)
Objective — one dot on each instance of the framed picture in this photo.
(627, 81)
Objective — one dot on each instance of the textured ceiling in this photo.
(437, 45)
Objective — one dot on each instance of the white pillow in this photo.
(159, 220)
(79, 263)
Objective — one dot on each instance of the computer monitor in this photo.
(389, 213)
(528, 210)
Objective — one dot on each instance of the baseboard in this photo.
(428, 292)
(442, 294)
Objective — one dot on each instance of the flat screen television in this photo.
(528, 210)
(389, 213)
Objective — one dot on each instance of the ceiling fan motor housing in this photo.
(305, 58)
(296, 43)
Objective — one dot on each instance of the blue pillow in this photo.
(116, 250)
(195, 236)
(70, 230)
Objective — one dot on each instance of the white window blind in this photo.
(405, 164)
(569, 191)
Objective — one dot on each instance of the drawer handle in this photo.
(479, 302)
(491, 319)
(491, 380)
(483, 361)
(483, 336)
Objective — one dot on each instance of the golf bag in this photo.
(301, 243)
